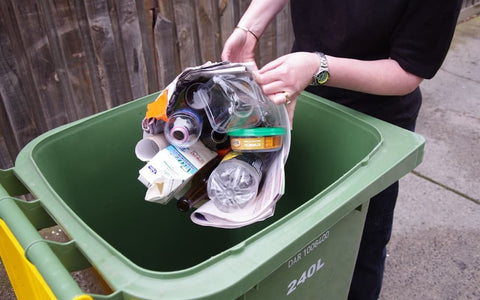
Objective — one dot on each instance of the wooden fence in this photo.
(61, 60)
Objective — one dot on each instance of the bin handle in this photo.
(23, 235)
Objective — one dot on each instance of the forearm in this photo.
(379, 77)
(259, 14)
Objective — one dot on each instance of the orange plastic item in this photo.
(158, 108)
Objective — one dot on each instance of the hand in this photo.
(240, 47)
(283, 79)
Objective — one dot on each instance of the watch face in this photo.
(322, 77)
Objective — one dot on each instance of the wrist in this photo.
(248, 31)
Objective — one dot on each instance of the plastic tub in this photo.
(259, 139)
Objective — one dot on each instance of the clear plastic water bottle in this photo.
(183, 128)
(234, 183)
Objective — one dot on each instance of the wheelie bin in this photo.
(83, 178)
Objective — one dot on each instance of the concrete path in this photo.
(434, 252)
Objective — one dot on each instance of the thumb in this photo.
(226, 53)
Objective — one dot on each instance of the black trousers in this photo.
(369, 268)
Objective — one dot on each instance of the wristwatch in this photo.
(322, 75)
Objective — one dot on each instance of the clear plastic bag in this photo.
(233, 102)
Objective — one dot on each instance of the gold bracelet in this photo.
(247, 30)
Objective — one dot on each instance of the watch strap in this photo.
(322, 75)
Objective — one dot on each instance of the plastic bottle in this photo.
(193, 98)
(198, 186)
(234, 183)
(183, 128)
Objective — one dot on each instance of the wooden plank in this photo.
(11, 95)
(241, 8)
(132, 47)
(167, 14)
(114, 13)
(22, 110)
(267, 45)
(6, 160)
(165, 50)
(70, 57)
(61, 73)
(90, 61)
(18, 124)
(110, 62)
(165, 8)
(8, 145)
(186, 33)
(208, 31)
(33, 34)
(284, 32)
(227, 21)
(146, 15)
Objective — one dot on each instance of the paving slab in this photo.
(463, 58)
(450, 123)
(434, 252)
(6, 291)
(450, 115)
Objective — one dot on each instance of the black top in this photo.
(415, 33)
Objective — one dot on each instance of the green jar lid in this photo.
(258, 131)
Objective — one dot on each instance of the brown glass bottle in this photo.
(198, 186)
(193, 196)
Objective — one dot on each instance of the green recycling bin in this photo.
(83, 177)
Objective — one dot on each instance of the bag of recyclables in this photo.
(191, 123)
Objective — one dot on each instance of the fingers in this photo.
(274, 71)
(280, 98)
(271, 65)
(272, 87)
(275, 86)
(283, 97)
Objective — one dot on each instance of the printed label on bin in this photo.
(312, 269)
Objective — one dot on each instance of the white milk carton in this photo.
(171, 168)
